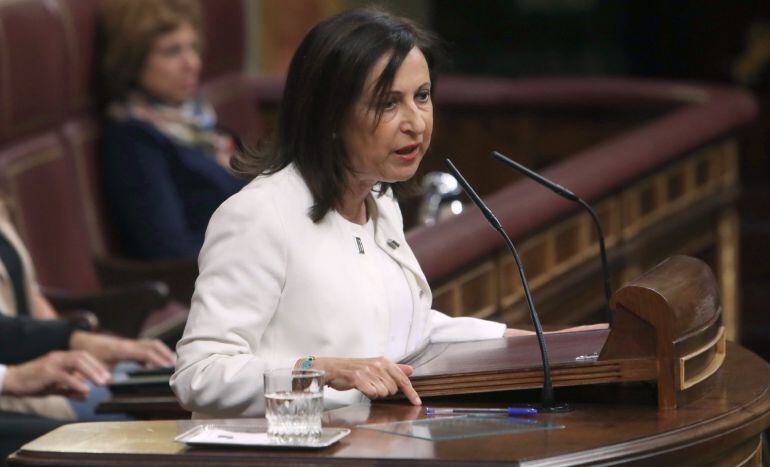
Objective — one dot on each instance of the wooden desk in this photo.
(721, 424)
(145, 407)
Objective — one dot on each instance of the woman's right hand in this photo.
(374, 377)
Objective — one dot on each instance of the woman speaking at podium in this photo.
(308, 264)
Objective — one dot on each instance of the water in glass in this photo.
(294, 413)
(293, 402)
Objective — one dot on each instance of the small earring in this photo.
(334, 135)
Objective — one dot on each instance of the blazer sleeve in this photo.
(23, 338)
(220, 365)
(444, 328)
(147, 207)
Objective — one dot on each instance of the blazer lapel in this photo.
(391, 240)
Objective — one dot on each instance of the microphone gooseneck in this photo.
(565, 193)
(548, 404)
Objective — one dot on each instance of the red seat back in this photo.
(50, 126)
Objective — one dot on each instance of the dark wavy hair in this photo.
(325, 78)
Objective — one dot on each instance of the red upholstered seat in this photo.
(50, 129)
(40, 187)
(34, 58)
(81, 138)
(39, 181)
(79, 20)
(224, 25)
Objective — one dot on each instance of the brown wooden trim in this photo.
(628, 225)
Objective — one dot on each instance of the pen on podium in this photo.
(511, 411)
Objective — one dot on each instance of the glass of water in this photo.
(294, 402)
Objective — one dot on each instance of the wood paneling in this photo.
(658, 201)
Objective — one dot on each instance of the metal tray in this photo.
(222, 435)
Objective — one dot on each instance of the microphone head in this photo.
(555, 187)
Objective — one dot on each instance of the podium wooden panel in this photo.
(666, 328)
(719, 424)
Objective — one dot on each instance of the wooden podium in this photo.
(707, 407)
(666, 328)
(610, 425)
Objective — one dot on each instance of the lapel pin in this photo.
(393, 244)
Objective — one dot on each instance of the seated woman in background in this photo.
(165, 161)
(20, 297)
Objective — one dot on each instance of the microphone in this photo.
(565, 193)
(547, 399)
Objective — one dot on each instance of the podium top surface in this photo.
(722, 421)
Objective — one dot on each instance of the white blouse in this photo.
(387, 279)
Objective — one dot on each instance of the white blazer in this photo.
(275, 287)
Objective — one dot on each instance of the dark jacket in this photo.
(23, 338)
(161, 195)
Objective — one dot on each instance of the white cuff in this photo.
(463, 328)
(2, 377)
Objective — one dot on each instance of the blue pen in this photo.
(510, 411)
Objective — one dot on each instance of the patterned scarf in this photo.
(193, 124)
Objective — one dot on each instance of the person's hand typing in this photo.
(63, 373)
(374, 377)
(152, 353)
